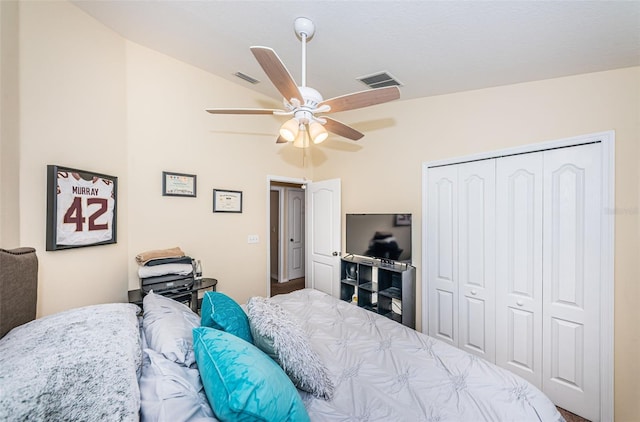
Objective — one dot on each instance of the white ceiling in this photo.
(431, 47)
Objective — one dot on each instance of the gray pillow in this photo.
(171, 392)
(276, 332)
(77, 365)
(168, 326)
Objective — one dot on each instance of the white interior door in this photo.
(442, 244)
(323, 236)
(571, 278)
(295, 233)
(476, 257)
(519, 265)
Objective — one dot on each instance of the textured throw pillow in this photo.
(171, 392)
(221, 312)
(168, 328)
(76, 365)
(276, 332)
(242, 383)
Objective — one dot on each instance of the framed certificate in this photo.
(178, 184)
(227, 200)
(81, 208)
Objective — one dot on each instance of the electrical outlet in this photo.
(253, 238)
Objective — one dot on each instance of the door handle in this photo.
(290, 240)
(334, 253)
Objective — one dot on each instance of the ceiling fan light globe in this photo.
(317, 132)
(289, 130)
(320, 138)
(302, 140)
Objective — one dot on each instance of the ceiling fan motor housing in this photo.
(311, 97)
(304, 112)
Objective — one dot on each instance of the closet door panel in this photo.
(445, 317)
(442, 244)
(519, 192)
(520, 333)
(476, 257)
(572, 221)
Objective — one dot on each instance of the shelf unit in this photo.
(379, 286)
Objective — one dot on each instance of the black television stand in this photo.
(380, 285)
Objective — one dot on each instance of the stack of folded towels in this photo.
(164, 267)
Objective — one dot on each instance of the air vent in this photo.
(246, 78)
(379, 80)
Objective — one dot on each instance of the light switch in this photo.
(253, 238)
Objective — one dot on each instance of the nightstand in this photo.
(182, 295)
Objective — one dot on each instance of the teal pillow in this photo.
(221, 312)
(242, 383)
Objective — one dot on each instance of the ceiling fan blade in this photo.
(277, 73)
(341, 129)
(363, 99)
(242, 111)
(281, 140)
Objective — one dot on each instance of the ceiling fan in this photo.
(305, 104)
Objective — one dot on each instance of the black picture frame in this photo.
(402, 220)
(179, 184)
(227, 201)
(86, 199)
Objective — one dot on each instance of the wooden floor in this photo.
(570, 417)
(288, 287)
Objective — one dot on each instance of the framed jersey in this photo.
(81, 208)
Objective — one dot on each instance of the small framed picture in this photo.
(227, 200)
(81, 208)
(178, 184)
(402, 220)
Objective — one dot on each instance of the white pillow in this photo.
(171, 392)
(168, 326)
(276, 332)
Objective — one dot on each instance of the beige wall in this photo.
(72, 113)
(9, 126)
(168, 129)
(90, 99)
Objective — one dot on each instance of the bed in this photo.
(300, 356)
(385, 371)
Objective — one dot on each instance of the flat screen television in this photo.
(385, 236)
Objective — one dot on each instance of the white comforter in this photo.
(384, 371)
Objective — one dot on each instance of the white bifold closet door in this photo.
(442, 244)
(572, 213)
(548, 243)
(461, 258)
(476, 257)
(513, 256)
(519, 265)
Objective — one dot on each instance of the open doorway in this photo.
(286, 236)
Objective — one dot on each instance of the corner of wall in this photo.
(9, 125)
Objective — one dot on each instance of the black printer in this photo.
(167, 274)
(166, 283)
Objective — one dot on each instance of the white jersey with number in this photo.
(84, 210)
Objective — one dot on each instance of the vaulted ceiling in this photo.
(431, 47)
